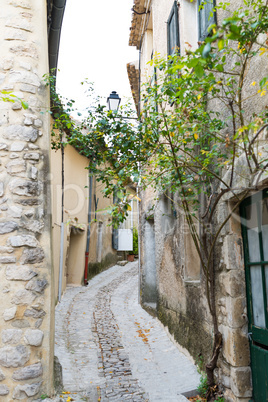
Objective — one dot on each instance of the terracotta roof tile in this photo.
(135, 29)
(133, 76)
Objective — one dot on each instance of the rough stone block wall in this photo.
(234, 364)
(26, 339)
(181, 302)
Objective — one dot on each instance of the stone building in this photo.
(26, 274)
(172, 284)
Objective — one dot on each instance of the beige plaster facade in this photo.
(76, 209)
(26, 273)
(171, 280)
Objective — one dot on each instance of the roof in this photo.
(133, 76)
(137, 23)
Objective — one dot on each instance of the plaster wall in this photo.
(75, 211)
(165, 280)
(188, 25)
(101, 251)
(155, 36)
(26, 273)
(76, 201)
(149, 288)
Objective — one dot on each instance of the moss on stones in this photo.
(189, 332)
(96, 267)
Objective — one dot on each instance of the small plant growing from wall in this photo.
(8, 96)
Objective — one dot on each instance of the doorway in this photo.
(254, 219)
(149, 290)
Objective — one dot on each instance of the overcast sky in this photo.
(94, 45)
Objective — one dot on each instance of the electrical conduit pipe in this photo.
(88, 230)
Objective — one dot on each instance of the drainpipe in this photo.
(54, 25)
(54, 33)
(62, 223)
(88, 229)
(139, 245)
(137, 190)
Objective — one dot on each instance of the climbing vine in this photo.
(63, 123)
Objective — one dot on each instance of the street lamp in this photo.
(113, 101)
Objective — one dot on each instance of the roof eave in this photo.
(133, 76)
(136, 23)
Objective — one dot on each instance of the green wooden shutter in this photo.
(254, 220)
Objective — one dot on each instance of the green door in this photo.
(254, 218)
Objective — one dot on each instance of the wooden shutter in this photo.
(173, 35)
(115, 239)
(204, 17)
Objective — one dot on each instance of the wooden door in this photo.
(254, 218)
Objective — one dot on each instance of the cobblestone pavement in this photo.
(111, 349)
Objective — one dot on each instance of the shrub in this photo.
(135, 241)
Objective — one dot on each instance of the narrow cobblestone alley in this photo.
(111, 349)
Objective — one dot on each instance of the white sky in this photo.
(94, 45)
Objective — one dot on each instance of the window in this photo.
(173, 35)
(154, 83)
(205, 17)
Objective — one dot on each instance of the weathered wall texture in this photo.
(75, 206)
(171, 279)
(76, 200)
(26, 277)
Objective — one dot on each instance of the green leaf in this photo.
(221, 44)
(119, 195)
(234, 32)
(263, 82)
(206, 50)
(199, 70)
(220, 68)
(255, 24)
(24, 105)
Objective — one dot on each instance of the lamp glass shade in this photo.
(113, 101)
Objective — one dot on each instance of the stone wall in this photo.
(178, 282)
(234, 364)
(26, 335)
(181, 300)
